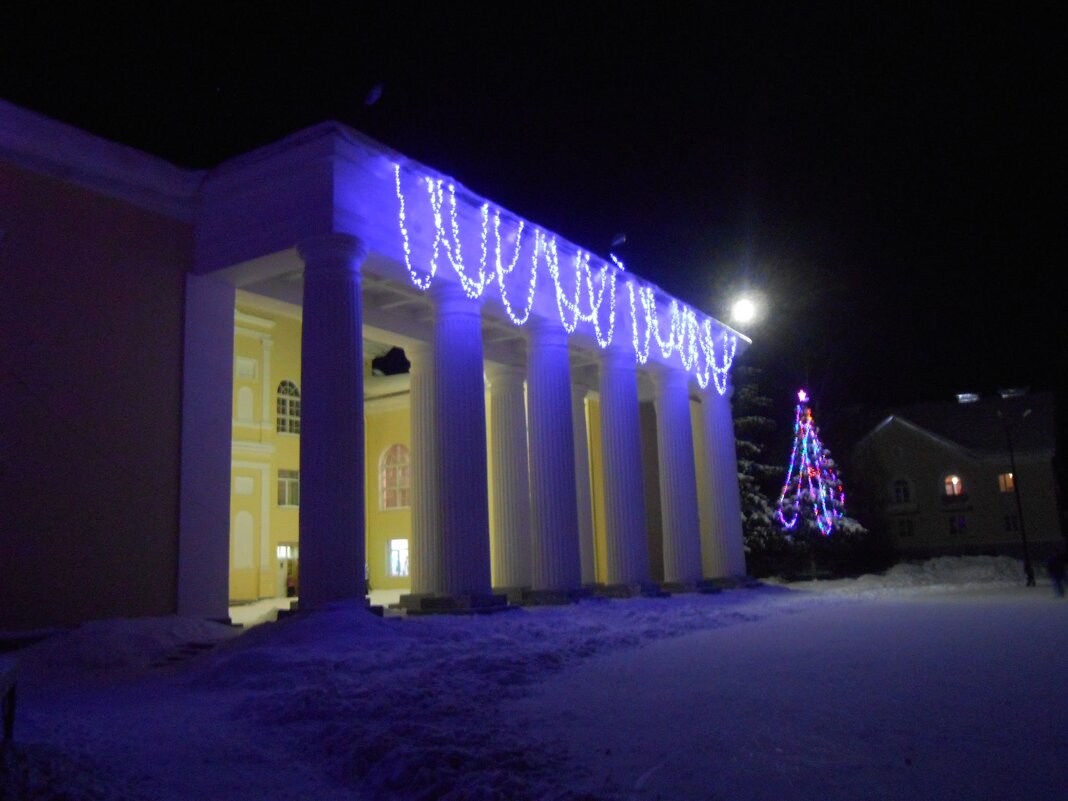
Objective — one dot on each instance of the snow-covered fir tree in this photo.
(753, 428)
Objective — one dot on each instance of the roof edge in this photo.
(45, 145)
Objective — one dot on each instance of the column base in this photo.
(455, 604)
(411, 600)
(295, 608)
(731, 582)
(554, 597)
(513, 594)
(680, 587)
(645, 589)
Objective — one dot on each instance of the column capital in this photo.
(666, 378)
(448, 297)
(332, 251)
(546, 332)
(711, 393)
(619, 357)
(503, 374)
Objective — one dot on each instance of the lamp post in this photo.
(1028, 570)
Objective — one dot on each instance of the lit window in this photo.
(1006, 483)
(1012, 523)
(394, 478)
(398, 557)
(958, 525)
(902, 493)
(288, 408)
(954, 486)
(905, 527)
(289, 488)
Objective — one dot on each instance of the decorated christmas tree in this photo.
(812, 502)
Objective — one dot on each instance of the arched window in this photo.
(394, 478)
(954, 486)
(288, 408)
(902, 491)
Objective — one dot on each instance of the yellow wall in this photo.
(600, 539)
(383, 429)
(267, 349)
(266, 352)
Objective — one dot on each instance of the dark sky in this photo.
(890, 176)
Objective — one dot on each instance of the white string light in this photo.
(420, 283)
(517, 319)
(686, 335)
(641, 352)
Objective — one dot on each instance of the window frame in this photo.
(287, 408)
(288, 488)
(958, 486)
(395, 476)
(404, 568)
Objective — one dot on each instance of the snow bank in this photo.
(37, 772)
(391, 709)
(121, 644)
(940, 573)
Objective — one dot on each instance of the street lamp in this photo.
(747, 309)
(743, 311)
(1016, 492)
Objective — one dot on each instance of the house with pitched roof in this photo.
(975, 476)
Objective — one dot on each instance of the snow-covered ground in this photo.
(946, 681)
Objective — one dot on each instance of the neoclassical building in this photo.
(193, 417)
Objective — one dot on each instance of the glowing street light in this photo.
(743, 311)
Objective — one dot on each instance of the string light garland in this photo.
(580, 296)
(517, 319)
(815, 481)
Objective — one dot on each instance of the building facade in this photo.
(194, 418)
(940, 477)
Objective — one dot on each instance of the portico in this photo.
(524, 350)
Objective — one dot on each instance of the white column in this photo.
(510, 527)
(332, 535)
(460, 436)
(725, 549)
(425, 551)
(207, 430)
(555, 563)
(678, 478)
(621, 449)
(583, 490)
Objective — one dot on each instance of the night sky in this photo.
(890, 177)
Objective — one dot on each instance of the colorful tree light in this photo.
(811, 483)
